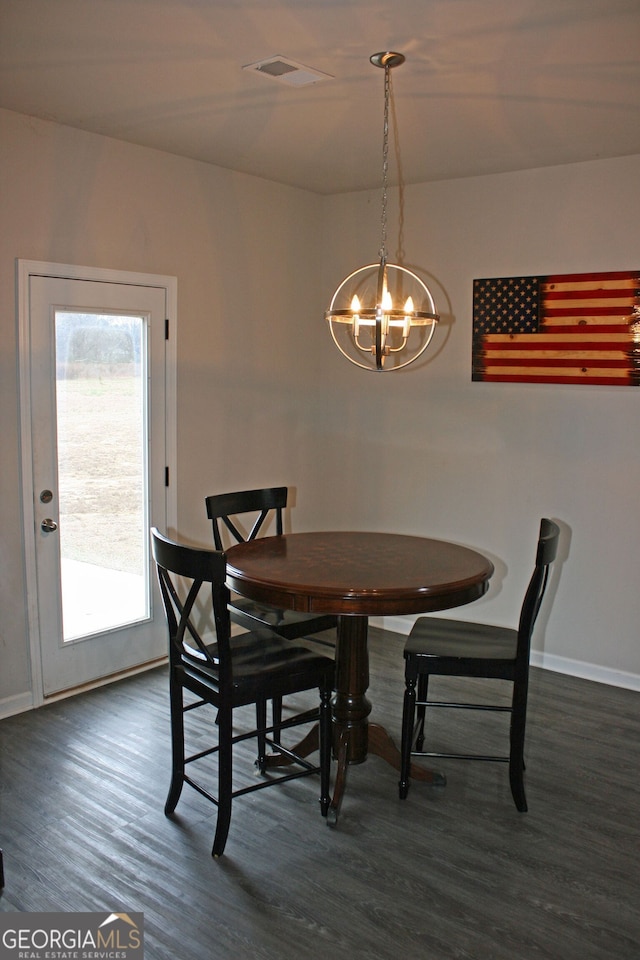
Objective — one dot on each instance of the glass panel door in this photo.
(102, 469)
(99, 430)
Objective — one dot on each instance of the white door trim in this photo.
(25, 270)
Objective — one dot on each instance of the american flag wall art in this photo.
(572, 328)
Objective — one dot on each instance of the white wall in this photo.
(427, 450)
(245, 252)
(264, 397)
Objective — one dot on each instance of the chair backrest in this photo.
(184, 573)
(221, 507)
(545, 555)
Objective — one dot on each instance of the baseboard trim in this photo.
(19, 703)
(547, 661)
(586, 671)
(22, 702)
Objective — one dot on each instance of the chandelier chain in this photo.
(385, 162)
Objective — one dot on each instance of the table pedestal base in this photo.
(381, 745)
(354, 736)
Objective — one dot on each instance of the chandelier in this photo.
(382, 316)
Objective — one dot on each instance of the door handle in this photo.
(48, 525)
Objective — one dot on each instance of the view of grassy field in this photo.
(100, 447)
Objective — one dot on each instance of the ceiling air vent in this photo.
(288, 71)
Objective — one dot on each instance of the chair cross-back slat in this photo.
(223, 509)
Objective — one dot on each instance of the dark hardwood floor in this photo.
(452, 872)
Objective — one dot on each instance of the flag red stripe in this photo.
(574, 294)
(526, 377)
(562, 326)
(560, 333)
(587, 362)
(621, 311)
(591, 277)
(515, 348)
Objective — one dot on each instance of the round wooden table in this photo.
(356, 575)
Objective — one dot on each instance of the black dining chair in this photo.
(225, 510)
(228, 673)
(456, 648)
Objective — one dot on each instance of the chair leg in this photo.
(408, 713)
(423, 690)
(225, 783)
(516, 782)
(261, 723)
(516, 752)
(177, 746)
(325, 750)
(276, 708)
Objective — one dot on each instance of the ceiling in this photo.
(488, 86)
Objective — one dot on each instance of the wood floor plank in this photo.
(452, 872)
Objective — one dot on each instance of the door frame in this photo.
(26, 269)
